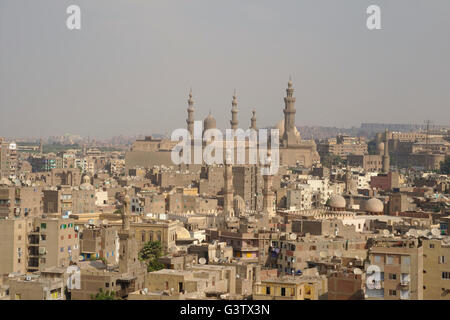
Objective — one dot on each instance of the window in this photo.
(283, 292)
(43, 226)
(377, 259)
(392, 292)
(107, 284)
(61, 249)
(267, 290)
(390, 260)
(406, 260)
(445, 275)
(392, 276)
(441, 259)
(431, 246)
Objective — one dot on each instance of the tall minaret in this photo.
(289, 136)
(268, 205)
(228, 210)
(386, 158)
(190, 119)
(128, 249)
(234, 121)
(253, 120)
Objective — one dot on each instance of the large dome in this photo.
(280, 127)
(209, 123)
(374, 205)
(381, 147)
(337, 201)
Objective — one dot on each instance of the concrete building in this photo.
(395, 270)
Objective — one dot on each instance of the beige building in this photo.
(291, 288)
(13, 249)
(18, 202)
(436, 270)
(398, 270)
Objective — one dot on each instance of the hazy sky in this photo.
(129, 69)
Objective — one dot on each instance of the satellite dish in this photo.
(413, 233)
(202, 260)
(386, 232)
(435, 232)
(422, 233)
(338, 254)
(216, 259)
(293, 236)
(357, 271)
(323, 254)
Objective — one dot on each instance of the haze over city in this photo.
(130, 67)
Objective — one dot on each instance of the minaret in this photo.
(386, 159)
(268, 207)
(41, 147)
(234, 121)
(228, 210)
(289, 136)
(190, 119)
(348, 177)
(253, 120)
(128, 250)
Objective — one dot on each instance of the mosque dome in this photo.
(381, 147)
(182, 234)
(86, 185)
(209, 122)
(374, 205)
(337, 201)
(280, 127)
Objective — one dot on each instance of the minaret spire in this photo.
(289, 136)
(253, 120)
(228, 187)
(190, 119)
(268, 202)
(386, 159)
(234, 121)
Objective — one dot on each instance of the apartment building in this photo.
(307, 287)
(52, 242)
(100, 243)
(13, 248)
(16, 202)
(436, 270)
(395, 271)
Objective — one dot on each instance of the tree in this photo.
(445, 166)
(331, 159)
(108, 295)
(150, 253)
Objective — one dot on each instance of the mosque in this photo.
(292, 149)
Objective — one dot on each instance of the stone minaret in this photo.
(228, 210)
(128, 250)
(41, 147)
(234, 111)
(268, 207)
(289, 136)
(190, 119)
(386, 158)
(253, 120)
